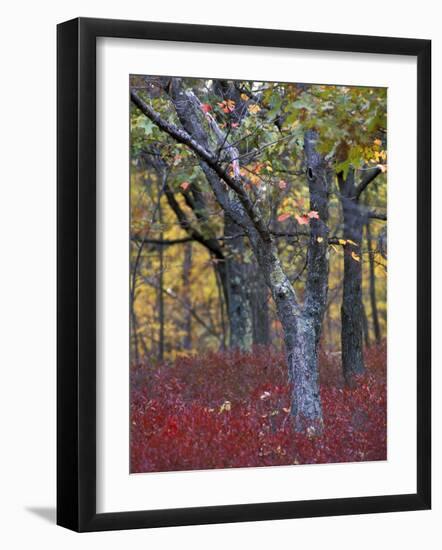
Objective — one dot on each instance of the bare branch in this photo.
(367, 178)
(181, 136)
(374, 214)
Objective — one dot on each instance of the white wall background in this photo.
(27, 275)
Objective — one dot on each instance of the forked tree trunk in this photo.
(301, 325)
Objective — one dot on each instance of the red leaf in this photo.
(283, 217)
(302, 220)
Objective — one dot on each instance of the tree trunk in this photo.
(302, 360)
(187, 267)
(366, 327)
(302, 326)
(259, 303)
(240, 313)
(160, 292)
(373, 301)
(351, 310)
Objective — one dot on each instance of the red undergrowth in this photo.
(231, 410)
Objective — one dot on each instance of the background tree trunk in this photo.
(160, 291)
(372, 279)
(187, 267)
(351, 310)
(352, 324)
(240, 313)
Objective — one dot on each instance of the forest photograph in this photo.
(258, 273)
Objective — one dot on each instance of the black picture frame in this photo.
(76, 274)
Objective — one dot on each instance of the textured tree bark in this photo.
(319, 181)
(373, 301)
(259, 301)
(299, 339)
(239, 310)
(351, 309)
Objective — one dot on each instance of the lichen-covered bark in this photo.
(259, 303)
(299, 339)
(304, 374)
(319, 179)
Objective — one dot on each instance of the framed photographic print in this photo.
(243, 274)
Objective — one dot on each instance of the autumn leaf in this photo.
(283, 217)
(355, 257)
(244, 97)
(185, 185)
(226, 406)
(342, 241)
(282, 184)
(227, 106)
(254, 108)
(313, 214)
(205, 107)
(302, 220)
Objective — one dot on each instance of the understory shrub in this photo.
(232, 410)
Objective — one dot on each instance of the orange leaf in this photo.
(227, 106)
(254, 108)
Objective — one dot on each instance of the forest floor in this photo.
(231, 410)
